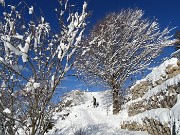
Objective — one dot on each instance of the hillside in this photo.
(87, 119)
(154, 104)
(154, 108)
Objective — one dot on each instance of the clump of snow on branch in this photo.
(31, 10)
(8, 46)
(31, 85)
(2, 2)
(7, 111)
(25, 49)
(74, 36)
(52, 81)
(10, 30)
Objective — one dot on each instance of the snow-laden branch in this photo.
(33, 62)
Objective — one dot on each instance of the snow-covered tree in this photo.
(33, 62)
(118, 46)
(177, 35)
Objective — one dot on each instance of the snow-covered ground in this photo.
(84, 118)
(90, 120)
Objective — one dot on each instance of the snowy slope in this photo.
(92, 121)
(170, 116)
(80, 116)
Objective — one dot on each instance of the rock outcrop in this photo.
(150, 94)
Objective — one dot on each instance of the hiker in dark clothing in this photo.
(94, 101)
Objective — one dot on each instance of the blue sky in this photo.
(166, 11)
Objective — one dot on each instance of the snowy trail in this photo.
(93, 121)
(86, 115)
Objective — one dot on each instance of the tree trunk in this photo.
(116, 103)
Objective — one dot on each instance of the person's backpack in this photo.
(97, 104)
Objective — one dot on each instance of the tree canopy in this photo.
(118, 46)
